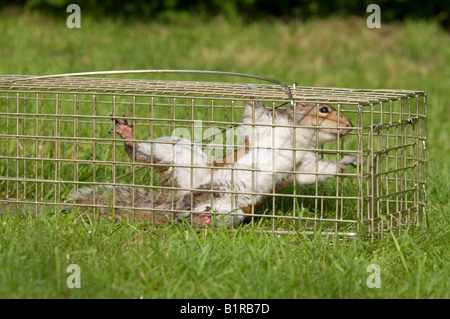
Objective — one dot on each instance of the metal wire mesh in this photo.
(54, 141)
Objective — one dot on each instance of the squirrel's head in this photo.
(330, 123)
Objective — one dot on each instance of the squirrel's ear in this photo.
(303, 107)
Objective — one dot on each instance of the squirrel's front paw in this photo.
(123, 129)
(348, 160)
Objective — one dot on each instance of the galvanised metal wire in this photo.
(54, 141)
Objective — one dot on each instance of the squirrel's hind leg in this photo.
(224, 216)
(202, 219)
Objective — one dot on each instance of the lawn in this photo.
(131, 260)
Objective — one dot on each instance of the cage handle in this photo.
(257, 77)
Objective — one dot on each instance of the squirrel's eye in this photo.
(324, 109)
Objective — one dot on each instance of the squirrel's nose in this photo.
(349, 124)
(344, 132)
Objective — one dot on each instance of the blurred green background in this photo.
(247, 10)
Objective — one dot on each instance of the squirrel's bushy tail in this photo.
(123, 202)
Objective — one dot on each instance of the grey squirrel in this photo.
(226, 189)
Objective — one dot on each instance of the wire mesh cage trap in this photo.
(284, 158)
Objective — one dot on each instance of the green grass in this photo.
(131, 260)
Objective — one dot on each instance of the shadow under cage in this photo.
(282, 158)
